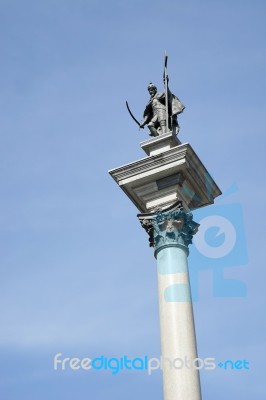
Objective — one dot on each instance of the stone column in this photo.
(172, 172)
(170, 234)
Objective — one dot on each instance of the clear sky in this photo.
(77, 275)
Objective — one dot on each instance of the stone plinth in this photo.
(160, 144)
(168, 175)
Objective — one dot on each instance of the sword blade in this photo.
(132, 116)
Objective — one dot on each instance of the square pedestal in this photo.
(171, 172)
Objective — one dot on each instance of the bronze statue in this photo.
(160, 114)
(157, 116)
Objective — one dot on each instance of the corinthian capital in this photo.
(173, 227)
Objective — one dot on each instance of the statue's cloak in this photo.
(175, 106)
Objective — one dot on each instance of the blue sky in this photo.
(77, 275)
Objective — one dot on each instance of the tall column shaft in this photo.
(178, 339)
(170, 233)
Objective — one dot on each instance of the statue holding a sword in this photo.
(160, 114)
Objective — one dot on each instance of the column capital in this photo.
(171, 227)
